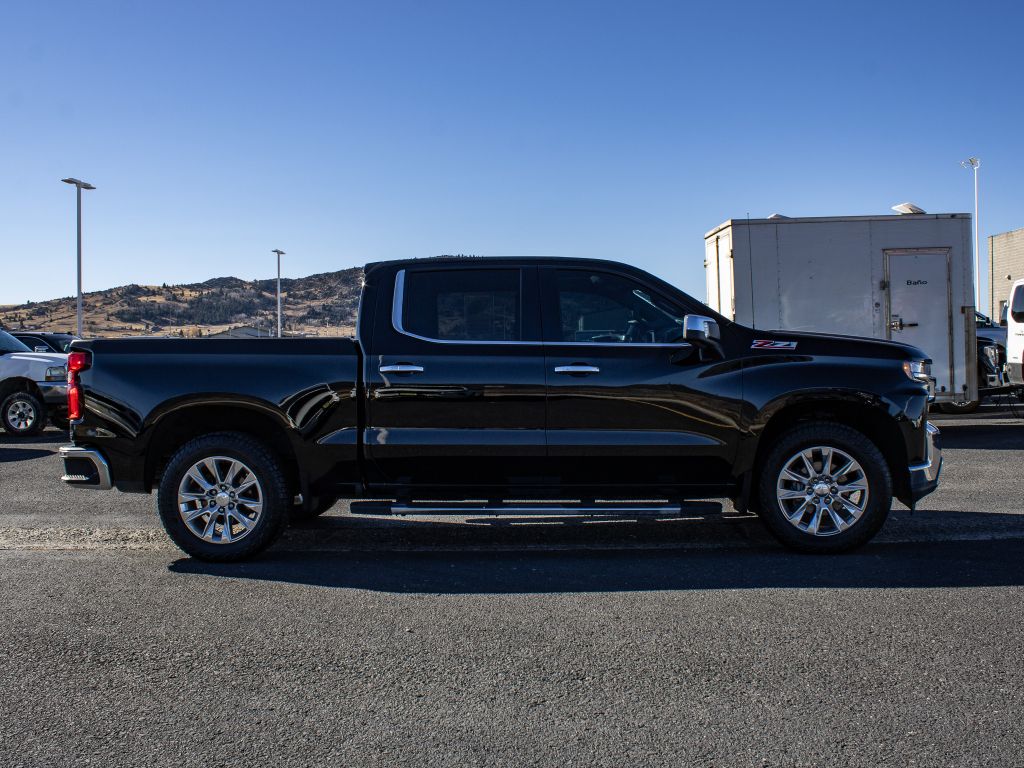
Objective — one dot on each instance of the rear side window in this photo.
(1017, 304)
(463, 304)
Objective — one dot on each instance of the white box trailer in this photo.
(907, 278)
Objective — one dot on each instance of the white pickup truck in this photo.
(33, 387)
(1015, 334)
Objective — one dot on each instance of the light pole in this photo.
(279, 253)
(79, 186)
(975, 163)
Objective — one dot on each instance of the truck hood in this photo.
(845, 346)
(30, 365)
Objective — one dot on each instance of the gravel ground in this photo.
(363, 641)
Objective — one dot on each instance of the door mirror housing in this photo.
(699, 329)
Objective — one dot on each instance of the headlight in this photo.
(57, 373)
(919, 370)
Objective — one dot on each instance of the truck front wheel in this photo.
(824, 487)
(23, 414)
(223, 497)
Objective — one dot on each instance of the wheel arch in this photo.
(871, 418)
(189, 421)
(19, 384)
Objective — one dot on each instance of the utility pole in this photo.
(279, 253)
(975, 163)
(79, 186)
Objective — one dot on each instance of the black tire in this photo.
(15, 407)
(855, 445)
(270, 481)
(961, 408)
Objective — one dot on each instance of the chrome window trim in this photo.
(396, 322)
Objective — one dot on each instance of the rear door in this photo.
(455, 378)
(919, 308)
(630, 407)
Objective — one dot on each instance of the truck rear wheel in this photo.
(223, 497)
(22, 413)
(824, 487)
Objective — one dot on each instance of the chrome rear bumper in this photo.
(85, 468)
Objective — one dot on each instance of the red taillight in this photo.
(77, 362)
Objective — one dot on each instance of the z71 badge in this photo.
(770, 344)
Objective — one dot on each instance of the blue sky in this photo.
(352, 132)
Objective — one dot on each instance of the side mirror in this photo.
(700, 329)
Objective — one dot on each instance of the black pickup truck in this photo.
(569, 385)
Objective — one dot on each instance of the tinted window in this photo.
(10, 344)
(601, 307)
(463, 304)
(1017, 304)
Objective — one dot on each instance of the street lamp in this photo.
(279, 253)
(975, 163)
(79, 186)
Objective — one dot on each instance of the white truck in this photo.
(906, 278)
(33, 388)
(1015, 334)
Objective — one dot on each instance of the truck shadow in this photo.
(985, 437)
(8, 454)
(928, 565)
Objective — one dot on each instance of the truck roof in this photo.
(394, 263)
(824, 219)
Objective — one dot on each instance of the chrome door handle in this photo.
(577, 368)
(401, 368)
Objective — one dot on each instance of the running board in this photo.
(598, 509)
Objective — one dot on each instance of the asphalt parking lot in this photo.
(365, 641)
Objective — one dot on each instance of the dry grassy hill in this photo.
(323, 304)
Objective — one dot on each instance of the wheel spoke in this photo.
(792, 494)
(211, 526)
(826, 460)
(808, 463)
(211, 464)
(795, 477)
(850, 507)
(246, 522)
(812, 526)
(196, 513)
(838, 521)
(198, 479)
(845, 468)
(797, 514)
(233, 470)
(851, 487)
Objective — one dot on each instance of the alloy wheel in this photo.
(822, 490)
(220, 500)
(21, 415)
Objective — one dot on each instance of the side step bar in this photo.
(557, 509)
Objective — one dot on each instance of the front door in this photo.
(455, 391)
(919, 311)
(631, 409)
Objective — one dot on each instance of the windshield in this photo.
(10, 344)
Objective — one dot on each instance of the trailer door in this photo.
(919, 309)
